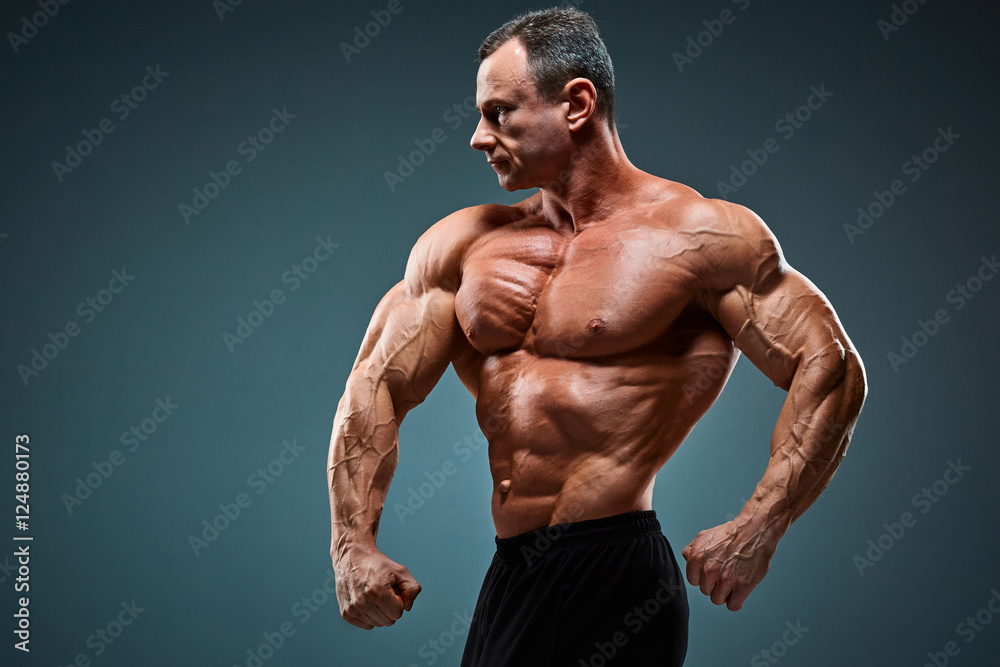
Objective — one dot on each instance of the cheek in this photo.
(538, 141)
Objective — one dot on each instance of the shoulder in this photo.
(737, 246)
(436, 258)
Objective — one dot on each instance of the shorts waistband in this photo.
(589, 531)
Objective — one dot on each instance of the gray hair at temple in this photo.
(562, 44)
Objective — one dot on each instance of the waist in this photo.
(561, 535)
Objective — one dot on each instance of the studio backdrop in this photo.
(203, 202)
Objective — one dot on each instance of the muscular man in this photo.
(594, 323)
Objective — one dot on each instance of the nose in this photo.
(482, 138)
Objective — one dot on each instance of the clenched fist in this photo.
(727, 562)
(373, 590)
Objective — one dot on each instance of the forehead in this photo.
(504, 74)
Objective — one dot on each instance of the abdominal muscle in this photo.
(577, 439)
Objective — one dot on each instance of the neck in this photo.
(593, 181)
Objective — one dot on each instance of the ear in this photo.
(581, 97)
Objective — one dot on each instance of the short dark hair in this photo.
(561, 44)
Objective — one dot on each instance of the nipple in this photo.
(505, 486)
(596, 325)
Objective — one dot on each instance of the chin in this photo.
(511, 184)
(507, 183)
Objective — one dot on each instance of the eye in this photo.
(500, 109)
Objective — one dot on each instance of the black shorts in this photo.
(595, 593)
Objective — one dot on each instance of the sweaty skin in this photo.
(594, 323)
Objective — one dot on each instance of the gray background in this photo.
(323, 176)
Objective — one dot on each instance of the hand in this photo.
(728, 561)
(373, 590)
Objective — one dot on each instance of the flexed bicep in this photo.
(776, 316)
(409, 344)
(783, 324)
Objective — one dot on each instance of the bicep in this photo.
(783, 323)
(776, 316)
(408, 345)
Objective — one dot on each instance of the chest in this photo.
(606, 290)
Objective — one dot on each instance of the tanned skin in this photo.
(594, 323)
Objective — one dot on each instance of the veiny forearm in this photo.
(407, 348)
(364, 450)
(810, 438)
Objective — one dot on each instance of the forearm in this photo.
(363, 455)
(810, 440)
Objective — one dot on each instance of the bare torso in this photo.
(594, 323)
(590, 356)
